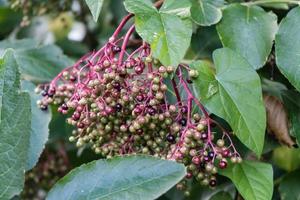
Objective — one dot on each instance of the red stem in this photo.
(124, 45)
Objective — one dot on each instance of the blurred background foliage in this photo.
(68, 25)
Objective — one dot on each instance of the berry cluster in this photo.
(117, 100)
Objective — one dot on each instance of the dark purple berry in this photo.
(204, 136)
(170, 138)
(116, 49)
(64, 106)
(140, 131)
(44, 93)
(184, 109)
(183, 122)
(212, 183)
(151, 110)
(211, 155)
(140, 98)
(206, 158)
(72, 78)
(44, 107)
(119, 107)
(138, 69)
(117, 86)
(80, 125)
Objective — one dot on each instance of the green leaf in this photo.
(15, 120)
(248, 30)
(222, 195)
(291, 101)
(205, 41)
(289, 187)
(254, 180)
(205, 13)
(168, 30)
(37, 63)
(95, 7)
(287, 46)
(39, 126)
(224, 94)
(286, 158)
(130, 177)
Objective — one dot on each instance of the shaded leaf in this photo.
(15, 120)
(224, 94)
(39, 126)
(167, 31)
(205, 12)
(287, 47)
(95, 7)
(286, 158)
(130, 177)
(221, 196)
(37, 63)
(248, 30)
(277, 120)
(254, 180)
(289, 187)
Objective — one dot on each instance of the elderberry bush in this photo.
(117, 101)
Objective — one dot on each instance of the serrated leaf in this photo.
(129, 177)
(37, 63)
(167, 31)
(254, 180)
(248, 30)
(14, 128)
(205, 12)
(291, 101)
(95, 7)
(39, 126)
(287, 47)
(289, 186)
(224, 94)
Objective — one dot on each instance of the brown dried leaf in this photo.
(277, 120)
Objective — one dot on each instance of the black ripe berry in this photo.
(183, 122)
(44, 107)
(170, 138)
(212, 183)
(116, 49)
(118, 107)
(44, 93)
(64, 107)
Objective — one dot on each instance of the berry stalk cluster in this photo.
(116, 99)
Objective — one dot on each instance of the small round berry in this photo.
(118, 107)
(212, 183)
(64, 106)
(116, 49)
(193, 73)
(44, 107)
(184, 109)
(170, 138)
(220, 143)
(138, 69)
(222, 164)
(204, 136)
(183, 122)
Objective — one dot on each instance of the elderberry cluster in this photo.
(117, 102)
